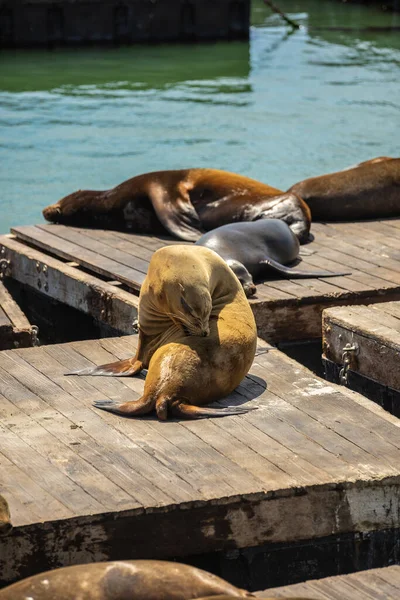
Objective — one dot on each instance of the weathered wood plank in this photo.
(15, 329)
(70, 286)
(375, 333)
(87, 258)
(308, 464)
(375, 584)
(369, 250)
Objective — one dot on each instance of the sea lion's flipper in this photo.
(121, 368)
(295, 274)
(177, 214)
(188, 411)
(136, 407)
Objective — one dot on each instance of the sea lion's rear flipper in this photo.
(295, 274)
(121, 368)
(188, 411)
(176, 212)
(144, 405)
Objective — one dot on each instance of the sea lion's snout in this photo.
(249, 290)
(52, 213)
(205, 332)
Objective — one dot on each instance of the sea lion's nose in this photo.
(205, 332)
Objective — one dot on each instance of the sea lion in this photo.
(225, 597)
(254, 249)
(368, 190)
(5, 517)
(186, 203)
(195, 325)
(122, 580)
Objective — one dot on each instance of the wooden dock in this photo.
(373, 335)
(102, 266)
(314, 462)
(15, 329)
(382, 584)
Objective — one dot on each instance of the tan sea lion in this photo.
(184, 202)
(122, 580)
(195, 325)
(5, 517)
(368, 190)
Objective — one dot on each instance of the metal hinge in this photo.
(4, 267)
(349, 352)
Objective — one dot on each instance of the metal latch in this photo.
(4, 267)
(348, 354)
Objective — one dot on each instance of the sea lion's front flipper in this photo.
(176, 212)
(121, 368)
(295, 274)
(188, 411)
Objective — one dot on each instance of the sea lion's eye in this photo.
(185, 306)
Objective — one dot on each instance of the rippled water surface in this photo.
(278, 109)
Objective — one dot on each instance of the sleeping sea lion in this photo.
(5, 517)
(185, 203)
(368, 190)
(256, 249)
(122, 580)
(225, 597)
(195, 325)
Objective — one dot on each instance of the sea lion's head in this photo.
(190, 307)
(244, 277)
(5, 523)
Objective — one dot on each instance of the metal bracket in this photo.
(4, 267)
(349, 353)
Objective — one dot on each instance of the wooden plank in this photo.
(12, 310)
(4, 320)
(115, 449)
(97, 246)
(375, 332)
(70, 251)
(15, 329)
(308, 464)
(70, 286)
(279, 304)
(63, 456)
(375, 584)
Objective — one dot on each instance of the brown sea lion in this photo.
(195, 325)
(5, 517)
(225, 597)
(257, 249)
(185, 203)
(368, 190)
(122, 580)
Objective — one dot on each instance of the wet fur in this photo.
(255, 250)
(144, 579)
(369, 190)
(184, 203)
(195, 325)
(5, 517)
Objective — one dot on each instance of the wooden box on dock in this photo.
(15, 329)
(361, 347)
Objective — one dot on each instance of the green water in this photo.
(280, 108)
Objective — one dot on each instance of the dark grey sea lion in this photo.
(255, 249)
